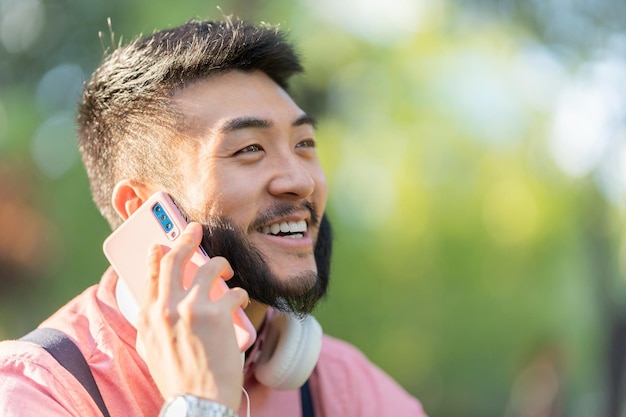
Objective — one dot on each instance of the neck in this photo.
(256, 313)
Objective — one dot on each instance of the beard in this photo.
(297, 294)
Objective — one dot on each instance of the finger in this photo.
(195, 308)
(210, 277)
(174, 261)
(235, 298)
(154, 265)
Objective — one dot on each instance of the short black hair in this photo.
(126, 116)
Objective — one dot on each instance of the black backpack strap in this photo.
(307, 400)
(61, 347)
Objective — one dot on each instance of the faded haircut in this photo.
(128, 124)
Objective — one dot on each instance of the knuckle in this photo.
(193, 309)
(176, 255)
(168, 259)
(186, 313)
(189, 308)
(166, 314)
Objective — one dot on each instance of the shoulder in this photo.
(344, 373)
(33, 383)
(334, 349)
(340, 357)
(26, 360)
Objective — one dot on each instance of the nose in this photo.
(293, 177)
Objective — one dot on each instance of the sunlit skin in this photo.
(255, 148)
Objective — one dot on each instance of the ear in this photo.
(128, 195)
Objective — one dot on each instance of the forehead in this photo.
(214, 101)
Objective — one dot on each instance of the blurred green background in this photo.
(476, 155)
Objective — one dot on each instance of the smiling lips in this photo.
(290, 229)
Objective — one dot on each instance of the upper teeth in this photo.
(285, 227)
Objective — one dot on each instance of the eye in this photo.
(309, 143)
(250, 149)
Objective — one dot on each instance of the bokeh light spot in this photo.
(60, 88)
(54, 146)
(21, 22)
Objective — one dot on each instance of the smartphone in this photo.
(158, 220)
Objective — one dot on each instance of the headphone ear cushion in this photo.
(289, 353)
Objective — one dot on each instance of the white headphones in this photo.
(289, 352)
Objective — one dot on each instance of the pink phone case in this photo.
(158, 220)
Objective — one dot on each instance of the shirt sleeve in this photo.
(348, 384)
(33, 384)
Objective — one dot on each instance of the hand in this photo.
(188, 341)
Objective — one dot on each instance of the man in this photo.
(201, 112)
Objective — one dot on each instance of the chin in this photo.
(295, 276)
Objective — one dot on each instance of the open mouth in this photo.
(290, 229)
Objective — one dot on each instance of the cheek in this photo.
(197, 186)
(234, 196)
(321, 189)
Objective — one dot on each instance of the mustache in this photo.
(285, 209)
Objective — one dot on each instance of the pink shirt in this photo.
(32, 383)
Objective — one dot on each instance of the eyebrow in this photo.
(255, 123)
(305, 119)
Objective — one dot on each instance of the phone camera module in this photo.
(163, 218)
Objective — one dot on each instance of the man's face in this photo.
(255, 165)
